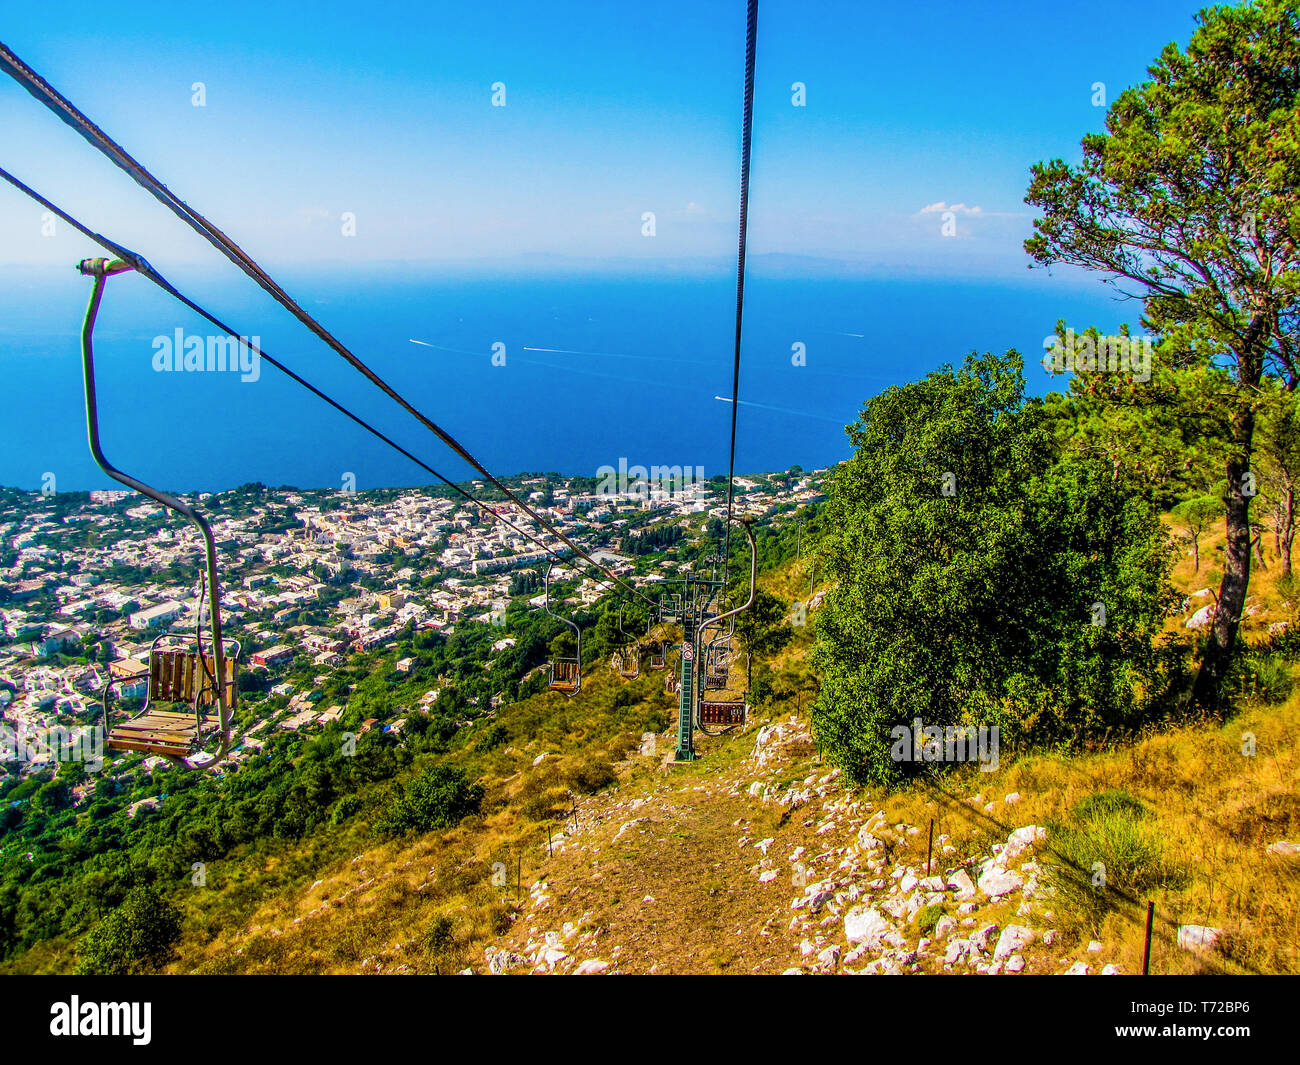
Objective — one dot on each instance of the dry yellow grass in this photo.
(431, 904)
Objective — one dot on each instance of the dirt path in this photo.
(669, 878)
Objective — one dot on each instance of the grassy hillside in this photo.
(583, 825)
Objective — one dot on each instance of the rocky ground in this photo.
(751, 869)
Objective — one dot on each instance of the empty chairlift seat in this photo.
(180, 707)
(658, 656)
(564, 675)
(720, 713)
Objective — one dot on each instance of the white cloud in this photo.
(956, 208)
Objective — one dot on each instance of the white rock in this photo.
(1014, 964)
(896, 907)
(1289, 850)
(763, 844)
(1202, 617)
(1014, 937)
(504, 961)
(768, 877)
(793, 972)
(591, 967)
(830, 956)
(1021, 839)
(958, 951)
(867, 840)
(996, 882)
(865, 925)
(944, 926)
(540, 759)
(1077, 969)
(1012, 799)
(1198, 937)
(1094, 946)
(960, 882)
(1111, 970)
(980, 940)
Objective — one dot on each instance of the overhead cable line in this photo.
(142, 266)
(39, 88)
(751, 36)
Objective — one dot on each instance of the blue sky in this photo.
(384, 110)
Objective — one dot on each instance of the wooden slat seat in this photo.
(156, 732)
(564, 675)
(168, 724)
(718, 713)
(176, 677)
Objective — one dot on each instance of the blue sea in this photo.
(598, 365)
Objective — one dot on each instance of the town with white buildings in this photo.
(86, 586)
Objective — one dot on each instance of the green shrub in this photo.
(137, 936)
(589, 775)
(439, 936)
(1111, 854)
(438, 798)
(1261, 677)
(970, 556)
(344, 808)
(1113, 803)
(494, 737)
(927, 917)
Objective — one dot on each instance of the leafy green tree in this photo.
(763, 630)
(1190, 200)
(1196, 516)
(54, 796)
(969, 565)
(139, 935)
(1279, 448)
(437, 798)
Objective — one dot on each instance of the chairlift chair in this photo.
(565, 674)
(631, 651)
(670, 606)
(726, 714)
(178, 677)
(658, 655)
(716, 672)
(716, 655)
(204, 680)
(672, 683)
